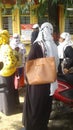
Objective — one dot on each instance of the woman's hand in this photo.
(65, 71)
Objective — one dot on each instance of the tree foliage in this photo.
(42, 5)
(66, 3)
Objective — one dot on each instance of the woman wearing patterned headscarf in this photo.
(38, 101)
(9, 98)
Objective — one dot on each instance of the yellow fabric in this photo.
(4, 37)
(9, 60)
(5, 32)
(7, 72)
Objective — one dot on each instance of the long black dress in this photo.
(37, 104)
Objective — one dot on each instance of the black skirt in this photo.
(8, 95)
(37, 107)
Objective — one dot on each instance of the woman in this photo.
(67, 64)
(64, 41)
(19, 51)
(8, 95)
(34, 33)
(38, 99)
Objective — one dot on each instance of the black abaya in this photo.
(37, 104)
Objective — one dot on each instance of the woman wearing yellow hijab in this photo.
(9, 98)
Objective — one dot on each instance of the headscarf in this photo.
(45, 36)
(46, 30)
(35, 26)
(4, 37)
(62, 46)
(16, 42)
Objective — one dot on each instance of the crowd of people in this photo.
(37, 105)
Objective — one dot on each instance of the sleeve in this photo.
(35, 52)
(68, 52)
(68, 58)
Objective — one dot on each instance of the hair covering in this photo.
(4, 37)
(66, 36)
(48, 26)
(45, 32)
(16, 42)
(62, 46)
(16, 36)
(35, 26)
(6, 33)
(45, 35)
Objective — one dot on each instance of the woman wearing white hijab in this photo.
(65, 51)
(38, 101)
(19, 51)
(64, 41)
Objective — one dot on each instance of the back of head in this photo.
(48, 26)
(5, 32)
(16, 36)
(45, 32)
(4, 37)
(35, 26)
(66, 36)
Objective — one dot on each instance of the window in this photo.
(69, 22)
(7, 20)
(24, 19)
(7, 24)
(43, 19)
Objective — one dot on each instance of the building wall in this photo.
(16, 25)
(61, 18)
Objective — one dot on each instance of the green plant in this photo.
(41, 9)
(66, 3)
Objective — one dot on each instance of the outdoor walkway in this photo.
(61, 120)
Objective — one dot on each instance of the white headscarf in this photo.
(46, 30)
(45, 35)
(62, 46)
(16, 42)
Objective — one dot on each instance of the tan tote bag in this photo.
(41, 71)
